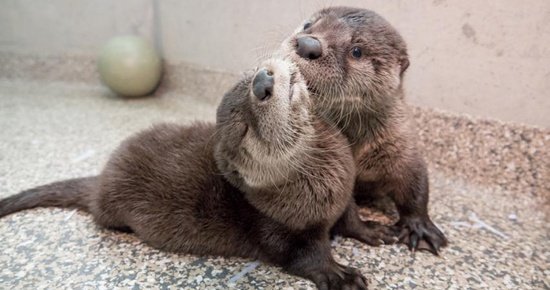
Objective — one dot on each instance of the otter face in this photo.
(348, 56)
(262, 123)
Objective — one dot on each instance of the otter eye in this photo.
(356, 52)
(307, 26)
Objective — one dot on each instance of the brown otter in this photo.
(267, 182)
(353, 62)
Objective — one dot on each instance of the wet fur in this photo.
(188, 188)
(364, 98)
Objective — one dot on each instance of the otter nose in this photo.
(262, 86)
(309, 47)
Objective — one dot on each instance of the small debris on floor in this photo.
(87, 154)
(251, 266)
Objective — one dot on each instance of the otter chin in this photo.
(354, 63)
(278, 126)
(268, 181)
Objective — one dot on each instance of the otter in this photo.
(267, 182)
(354, 63)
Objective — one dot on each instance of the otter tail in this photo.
(72, 193)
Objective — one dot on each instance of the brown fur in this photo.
(268, 182)
(364, 98)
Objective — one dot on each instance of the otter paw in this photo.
(421, 234)
(375, 234)
(340, 277)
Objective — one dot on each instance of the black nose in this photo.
(262, 86)
(309, 47)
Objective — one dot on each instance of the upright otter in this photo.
(353, 62)
(267, 182)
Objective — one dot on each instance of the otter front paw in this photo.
(420, 233)
(376, 234)
(369, 232)
(372, 233)
(339, 277)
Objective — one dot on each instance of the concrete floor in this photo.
(500, 238)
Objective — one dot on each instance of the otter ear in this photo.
(404, 62)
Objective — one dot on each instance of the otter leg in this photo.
(372, 233)
(106, 213)
(411, 195)
(310, 257)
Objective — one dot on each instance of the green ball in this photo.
(130, 66)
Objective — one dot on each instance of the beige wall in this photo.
(486, 58)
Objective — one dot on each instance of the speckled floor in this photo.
(495, 215)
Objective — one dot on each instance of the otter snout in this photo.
(262, 85)
(309, 47)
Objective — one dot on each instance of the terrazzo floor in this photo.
(500, 239)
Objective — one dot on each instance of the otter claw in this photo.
(340, 278)
(424, 245)
(421, 234)
(413, 243)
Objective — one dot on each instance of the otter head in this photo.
(351, 59)
(261, 125)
